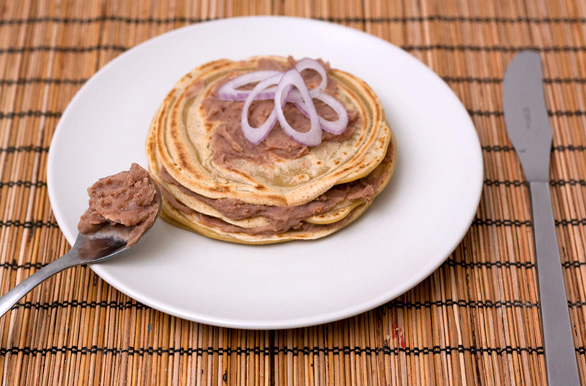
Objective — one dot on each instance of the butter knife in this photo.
(530, 132)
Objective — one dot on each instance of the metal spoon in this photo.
(88, 249)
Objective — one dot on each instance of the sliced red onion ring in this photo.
(229, 92)
(278, 86)
(338, 126)
(256, 135)
(335, 127)
(310, 64)
(290, 79)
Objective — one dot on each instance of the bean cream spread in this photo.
(281, 218)
(129, 199)
(228, 143)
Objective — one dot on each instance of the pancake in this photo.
(309, 230)
(217, 183)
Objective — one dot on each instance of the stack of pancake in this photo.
(217, 183)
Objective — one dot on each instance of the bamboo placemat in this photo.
(474, 321)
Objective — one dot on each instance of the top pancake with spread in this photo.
(219, 183)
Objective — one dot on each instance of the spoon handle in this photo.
(14, 295)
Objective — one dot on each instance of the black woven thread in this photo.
(471, 79)
(29, 113)
(564, 80)
(490, 264)
(25, 184)
(485, 113)
(15, 265)
(394, 19)
(448, 79)
(61, 49)
(101, 19)
(571, 182)
(79, 304)
(25, 81)
(428, 47)
(501, 223)
(577, 304)
(498, 113)
(392, 304)
(476, 222)
(573, 264)
(499, 148)
(29, 224)
(506, 49)
(497, 80)
(519, 223)
(345, 350)
(415, 351)
(18, 149)
(519, 183)
(507, 183)
(569, 148)
(463, 303)
(482, 113)
(572, 222)
(570, 113)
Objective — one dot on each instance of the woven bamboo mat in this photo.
(474, 321)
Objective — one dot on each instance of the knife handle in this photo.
(560, 353)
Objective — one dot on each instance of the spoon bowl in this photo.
(90, 248)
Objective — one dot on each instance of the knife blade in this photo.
(528, 128)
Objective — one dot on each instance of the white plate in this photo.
(409, 231)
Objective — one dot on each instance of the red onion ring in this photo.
(336, 127)
(310, 64)
(290, 79)
(258, 134)
(302, 98)
(229, 92)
